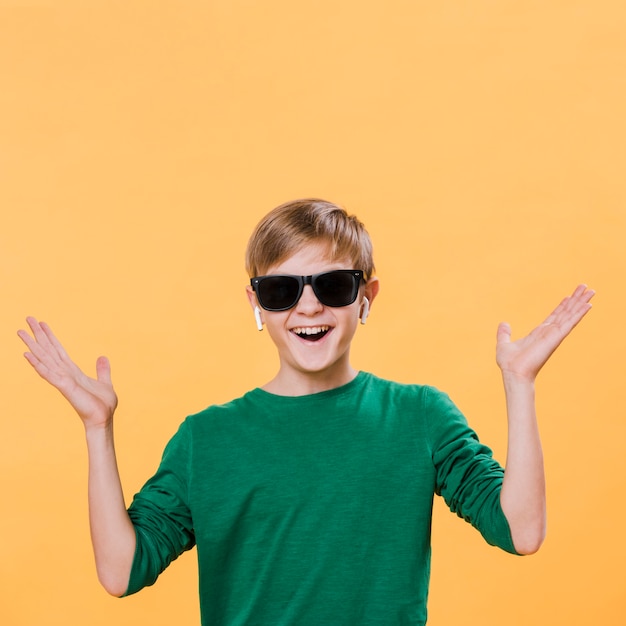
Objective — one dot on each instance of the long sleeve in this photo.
(161, 514)
(467, 475)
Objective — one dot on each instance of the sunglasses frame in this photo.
(307, 280)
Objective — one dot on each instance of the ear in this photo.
(255, 307)
(369, 293)
(371, 289)
(251, 296)
(365, 309)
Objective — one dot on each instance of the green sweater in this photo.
(315, 510)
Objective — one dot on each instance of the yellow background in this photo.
(481, 142)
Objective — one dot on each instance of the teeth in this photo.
(308, 330)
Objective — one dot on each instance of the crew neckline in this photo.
(345, 388)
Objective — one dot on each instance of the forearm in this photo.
(112, 532)
(523, 496)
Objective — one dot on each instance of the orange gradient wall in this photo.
(481, 142)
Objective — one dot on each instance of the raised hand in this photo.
(526, 356)
(93, 399)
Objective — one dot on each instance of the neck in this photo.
(305, 383)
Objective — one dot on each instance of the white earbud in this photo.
(257, 317)
(366, 310)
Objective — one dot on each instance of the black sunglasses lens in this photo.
(336, 288)
(278, 292)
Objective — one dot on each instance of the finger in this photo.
(103, 370)
(576, 307)
(578, 300)
(42, 369)
(560, 309)
(25, 337)
(573, 317)
(585, 294)
(581, 295)
(503, 334)
(35, 349)
(42, 343)
(46, 354)
(583, 290)
(55, 342)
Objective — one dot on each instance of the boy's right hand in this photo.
(94, 400)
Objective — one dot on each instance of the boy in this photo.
(309, 499)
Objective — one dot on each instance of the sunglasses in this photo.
(279, 292)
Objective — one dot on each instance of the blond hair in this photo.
(285, 229)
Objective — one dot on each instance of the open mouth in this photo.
(311, 333)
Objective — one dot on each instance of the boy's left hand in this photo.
(524, 358)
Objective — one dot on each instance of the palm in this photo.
(94, 399)
(526, 356)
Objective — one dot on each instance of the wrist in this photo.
(99, 431)
(514, 379)
(519, 392)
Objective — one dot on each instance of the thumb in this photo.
(103, 370)
(504, 333)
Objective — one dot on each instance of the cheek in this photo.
(350, 319)
(274, 323)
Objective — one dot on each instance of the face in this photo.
(313, 340)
